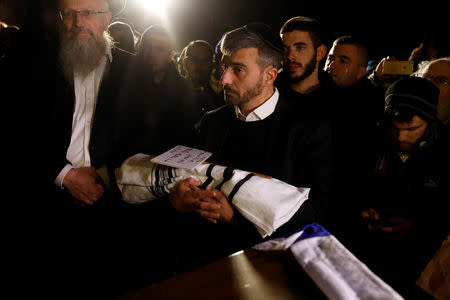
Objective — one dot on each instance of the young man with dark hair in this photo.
(302, 78)
(403, 213)
(347, 61)
(346, 64)
(357, 106)
(310, 89)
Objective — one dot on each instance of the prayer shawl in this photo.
(335, 270)
(266, 202)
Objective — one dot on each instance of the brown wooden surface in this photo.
(244, 275)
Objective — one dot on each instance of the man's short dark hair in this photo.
(270, 54)
(358, 43)
(302, 23)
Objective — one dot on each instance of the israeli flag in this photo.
(335, 270)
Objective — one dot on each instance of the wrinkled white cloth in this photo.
(266, 202)
(335, 270)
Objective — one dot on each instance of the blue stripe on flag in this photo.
(312, 230)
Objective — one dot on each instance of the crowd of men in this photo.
(372, 147)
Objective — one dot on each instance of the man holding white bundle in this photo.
(255, 131)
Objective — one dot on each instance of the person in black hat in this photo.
(255, 131)
(123, 35)
(68, 95)
(412, 95)
(402, 216)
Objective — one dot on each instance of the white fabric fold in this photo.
(266, 202)
(335, 270)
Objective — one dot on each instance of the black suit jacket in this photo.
(50, 113)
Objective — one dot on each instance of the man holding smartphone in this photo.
(403, 221)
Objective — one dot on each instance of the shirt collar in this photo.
(262, 111)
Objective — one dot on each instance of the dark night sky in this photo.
(390, 27)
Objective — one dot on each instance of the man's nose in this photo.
(402, 136)
(225, 79)
(329, 65)
(78, 20)
(289, 54)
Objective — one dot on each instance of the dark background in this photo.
(389, 27)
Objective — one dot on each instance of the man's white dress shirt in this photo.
(261, 112)
(86, 92)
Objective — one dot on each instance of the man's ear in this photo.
(321, 52)
(361, 72)
(270, 74)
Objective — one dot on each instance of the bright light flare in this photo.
(155, 6)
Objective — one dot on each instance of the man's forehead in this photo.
(243, 55)
(415, 121)
(296, 36)
(344, 51)
(82, 3)
(344, 48)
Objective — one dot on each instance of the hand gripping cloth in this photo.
(266, 202)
